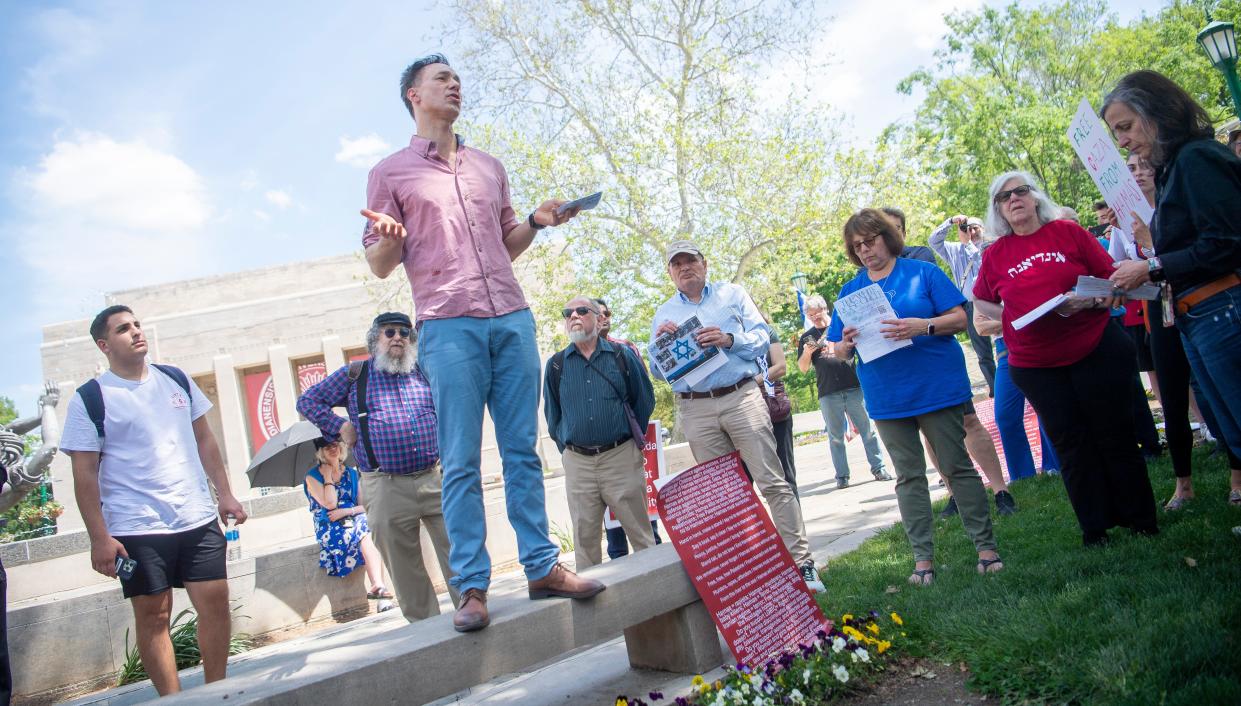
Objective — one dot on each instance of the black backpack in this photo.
(92, 394)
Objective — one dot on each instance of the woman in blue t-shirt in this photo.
(921, 386)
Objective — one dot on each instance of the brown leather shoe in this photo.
(472, 615)
(564, 583)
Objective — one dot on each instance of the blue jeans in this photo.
(1010, 413)
(1211, 332)
(471, 362)
(835, 406)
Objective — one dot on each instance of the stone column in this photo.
(233, 422)
(333, 354)
(282, 380)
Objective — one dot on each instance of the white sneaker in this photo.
(812, 578)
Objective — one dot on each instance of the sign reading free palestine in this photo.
(1107, 168)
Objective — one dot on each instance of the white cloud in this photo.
(101, 214)
(362, 151)
(262, 215)
(249, 180)
(279, 199)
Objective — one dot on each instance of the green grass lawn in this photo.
(1142, 621)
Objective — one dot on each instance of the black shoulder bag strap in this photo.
(364, 431)
(635, 429)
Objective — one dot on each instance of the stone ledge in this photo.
(375, 667)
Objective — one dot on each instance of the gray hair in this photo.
(815, 301)
(1044, 207)
(1068, 213)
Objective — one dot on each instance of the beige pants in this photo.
(396, 508)
(739, 421)
(614, 479)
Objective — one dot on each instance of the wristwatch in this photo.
(1155, 269)
(533, 224)
(930, 328)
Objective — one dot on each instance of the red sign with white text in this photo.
(261, 409)
(309, 375)
(737, 561)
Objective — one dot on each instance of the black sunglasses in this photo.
(580, 310)
(402, 332)
(1004, 196)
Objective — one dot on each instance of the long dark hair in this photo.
(1165, 106)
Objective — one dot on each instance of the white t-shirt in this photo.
(151, 480)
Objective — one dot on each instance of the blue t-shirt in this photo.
(926, 376)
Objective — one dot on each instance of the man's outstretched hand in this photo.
(385, 225)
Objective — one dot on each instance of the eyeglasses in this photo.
(402, 332)
(1004, 196)
(579, 310)
(866, 243)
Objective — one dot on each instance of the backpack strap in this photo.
(359, 373)
(177, 374)
(92, 400)
(554, 374)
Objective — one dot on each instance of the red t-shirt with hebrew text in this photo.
(1023, 271)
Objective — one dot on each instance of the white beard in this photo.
(579, 335)
(402, 365)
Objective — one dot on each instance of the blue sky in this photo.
(142, 142)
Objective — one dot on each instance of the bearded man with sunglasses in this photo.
(391, 432)
(442, 210)
(590, 391)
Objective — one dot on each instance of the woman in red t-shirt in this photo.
(1073, 367)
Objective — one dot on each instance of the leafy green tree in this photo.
(1008, 80)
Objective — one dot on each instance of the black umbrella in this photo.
(285, 458)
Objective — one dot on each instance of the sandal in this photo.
(984, 565)
(1234, 498)
(922, 577)
(379, 593)
(1176, 503)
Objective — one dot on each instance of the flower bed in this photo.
(815, 673)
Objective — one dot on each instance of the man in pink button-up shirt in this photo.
(442, 209)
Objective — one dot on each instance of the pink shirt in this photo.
(456, 220)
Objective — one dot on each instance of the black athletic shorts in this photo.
(171, 560)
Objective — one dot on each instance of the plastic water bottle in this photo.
(232, 539)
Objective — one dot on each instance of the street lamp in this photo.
(1219, 40)
(800, 281)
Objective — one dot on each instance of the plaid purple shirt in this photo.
(402, 417)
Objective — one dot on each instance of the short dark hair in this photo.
(99, 325)
(1175, 116)
(409, 77)
(602, 303)
(1100, 205)
(896, 213)
(868, 222)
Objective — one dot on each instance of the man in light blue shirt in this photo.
(964, 256)
(725, 411)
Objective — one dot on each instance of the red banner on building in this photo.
(261, 408)
(310, 374)
(737, 561)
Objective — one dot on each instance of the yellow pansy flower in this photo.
(897, 619)
(873, 628)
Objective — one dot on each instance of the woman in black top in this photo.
(1196, 233)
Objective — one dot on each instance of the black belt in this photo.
(717, 392)
(420, 471)
(596, 450)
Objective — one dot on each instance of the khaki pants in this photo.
(739, 421)
(945, 431)
(615, 479)
(397, 507)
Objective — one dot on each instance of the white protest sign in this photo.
(1107, 168)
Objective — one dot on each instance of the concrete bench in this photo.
(649, 600)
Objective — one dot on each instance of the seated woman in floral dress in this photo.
(340, 520)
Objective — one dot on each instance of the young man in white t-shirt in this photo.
(142, 490)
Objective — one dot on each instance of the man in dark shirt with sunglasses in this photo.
(397, 452)
(586, 388)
